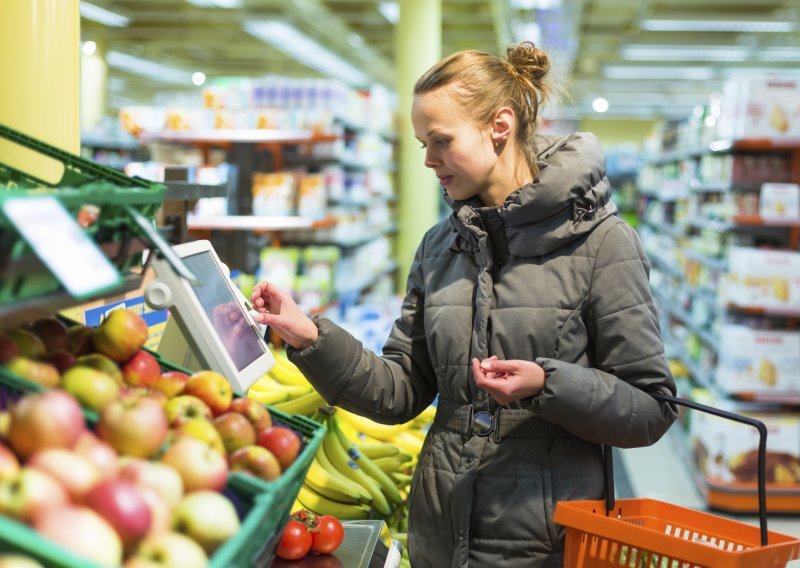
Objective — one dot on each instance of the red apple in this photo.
(212, 388)
(256, 461)
(76, 473)
(79, 340)
(184, 407)
(29, 345)
(163, 480)
(254, 411)
(34, 371)
(121, 335)
(27, 495)
(82, 531)
(235, 430)
(141, 370)
(51, 419)
(172, 550)
(8, 349)
(171, 383)
(135, 427)
(9, 464)
(52, 332)
(208, 518)
(101, 454)
(283, 442)
(199, 465)
(121, 504)
(61, 360)
(144, 392)
(160, 512)
(93, 389)
(102, 363)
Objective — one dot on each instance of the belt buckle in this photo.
(483, 423)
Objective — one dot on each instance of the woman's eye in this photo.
(442, 143)
(424, 146)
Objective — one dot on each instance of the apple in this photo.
(50, 419)
(61, 360)
(29, 345)
(82, 531)
(8, 349)
(163, 480)
(144, 392)
(199, 465)
(18, 561)
(138, 562)
(9, 464)
(121, 504)
(172, 550)
(94, 389)
(141, 370)
(101, 454)
(254, 411)
(79, 340)
(121, 335)
(212, 388)
(183, 407)
(235, 430)
(203, 430)
(133, 426)
(171, 383)
(208, 518)
(52, 332)
(5, 423)
(34, 371)
(160, 512)
(256, 461)
(283, 442)
(30, 493)
(102, 363)
(76, 473)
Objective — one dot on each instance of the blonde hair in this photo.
(483, 83)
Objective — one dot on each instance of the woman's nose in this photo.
(431, 161)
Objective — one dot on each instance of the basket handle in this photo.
(762, 456)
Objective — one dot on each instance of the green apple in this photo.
(203, 430)
(102, 363)
(94, 389)
(207, 517)
(171, 550)
(34, 371)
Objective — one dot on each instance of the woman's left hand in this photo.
(510, 380)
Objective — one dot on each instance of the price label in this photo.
(62, 245)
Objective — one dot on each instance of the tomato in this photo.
(327, 535)
(295, 541)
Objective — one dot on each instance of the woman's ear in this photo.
(502, 125)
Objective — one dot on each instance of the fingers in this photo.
(499, 366)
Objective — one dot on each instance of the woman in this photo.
(527, 311)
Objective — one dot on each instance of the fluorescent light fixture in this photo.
(198, 78)
(650, 73)
(216, 3)
(600, 105)
(766, 26)
(535, 4)
(89, 47)
(147, 68)
(526, 31)
(779, 54)
(390, 10)
(103, 16)
(684, 53)
(307, 51)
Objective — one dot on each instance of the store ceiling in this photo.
(601, 47)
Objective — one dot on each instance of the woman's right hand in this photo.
(278, 310)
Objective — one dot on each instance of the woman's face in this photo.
(456, 149)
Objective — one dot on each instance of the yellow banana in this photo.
(326, 484)
(305, 404)
(383, 432)
(342, 462)
(416, 432)
(297, 506)
(286, 373)
(401, 479)
(373, 451)
(424, 418)
(354, 434)
(391, 463)
(291, 390)
(271, 398)
(322, 505)
(407, 442)
(386, 484)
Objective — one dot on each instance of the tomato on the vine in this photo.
(295, 541)
(328, 535)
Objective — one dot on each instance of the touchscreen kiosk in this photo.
(210, 326)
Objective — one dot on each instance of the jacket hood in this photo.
(569, 197)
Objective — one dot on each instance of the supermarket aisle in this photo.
(660, 472)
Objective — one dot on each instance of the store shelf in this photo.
(349, 243)
(182, 191)
(256, 223)
(686, 319)
(359, 287)
(248, 136)
(723, 146)
(109, 144)
(718, 264)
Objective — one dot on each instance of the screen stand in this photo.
(174, 347)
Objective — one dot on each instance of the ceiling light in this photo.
(650, 73)
(600, 104)
(390, 10)
(526, 31)
(89, 47)
(147, 68)
(103, 16)
(767, 26)
(535, 4)
(216, 3)
(198, 78)
(779, 54)
(307, 51)
(684, 53)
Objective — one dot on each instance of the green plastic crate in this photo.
(22, 274)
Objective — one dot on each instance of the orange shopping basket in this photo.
(645, 533)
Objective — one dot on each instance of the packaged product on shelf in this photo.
(279, 266)
(319, 263)
(763, 278)
(754, 361)
(312, 199)
(780, 201)
(310, 293)
(759, 107)
(273, 193)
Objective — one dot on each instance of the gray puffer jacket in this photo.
(552, 276)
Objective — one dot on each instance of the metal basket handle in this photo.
(762, 456)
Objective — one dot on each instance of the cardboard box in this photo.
(762, 278)
(760, 107)
(758, 361)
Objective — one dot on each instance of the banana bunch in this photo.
(285, 388)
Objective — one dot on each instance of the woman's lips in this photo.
(444, 180)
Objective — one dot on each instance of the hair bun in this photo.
(528, 60)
